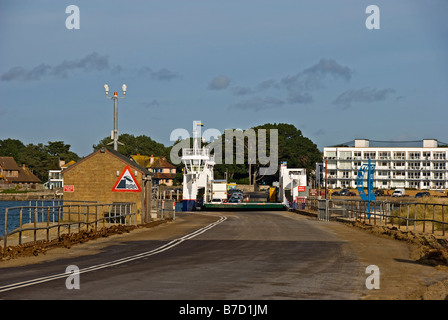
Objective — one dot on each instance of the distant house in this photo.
(11, 175)
(164, 172)
(55, 179)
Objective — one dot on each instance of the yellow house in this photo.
(163, 171)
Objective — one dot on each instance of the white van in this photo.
(398, 193)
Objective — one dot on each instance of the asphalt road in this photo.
(240, 255)
(226, 256)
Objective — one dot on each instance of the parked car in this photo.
(344, 192)
(379, 193)
(235, 199)
(422, 194)
(233, 191)
(398, 193)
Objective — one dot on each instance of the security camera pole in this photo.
(114, 134)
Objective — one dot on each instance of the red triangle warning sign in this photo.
(126, 182)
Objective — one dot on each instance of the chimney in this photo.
(152, 159)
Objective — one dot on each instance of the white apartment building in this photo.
(422, 167)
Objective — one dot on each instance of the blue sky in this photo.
(231, 64)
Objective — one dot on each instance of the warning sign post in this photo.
(126, 182)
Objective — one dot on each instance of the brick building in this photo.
(109, 177)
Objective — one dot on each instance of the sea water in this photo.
(27, 213)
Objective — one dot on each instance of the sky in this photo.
(230, 64)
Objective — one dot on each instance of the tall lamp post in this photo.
(115, 98)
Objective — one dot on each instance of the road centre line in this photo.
(116, 262)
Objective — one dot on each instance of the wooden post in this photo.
(48, 224)
(35, 222)
(20, 226)
(5, 237)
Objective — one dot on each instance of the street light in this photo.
(114, 134)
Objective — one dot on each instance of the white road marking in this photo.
(160, 249)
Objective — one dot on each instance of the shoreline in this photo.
(39, 195)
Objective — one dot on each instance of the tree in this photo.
(298, 151)
(11, 148)
(132, 145)
(39, 158)
(292, 147)
(61, 151)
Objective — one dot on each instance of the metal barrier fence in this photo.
(416, 215)
(322, 210)
(59, 219)
(163, 209)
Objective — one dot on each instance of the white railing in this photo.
(203, 152)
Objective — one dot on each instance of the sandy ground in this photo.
(412, 266)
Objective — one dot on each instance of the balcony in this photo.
(204, 152)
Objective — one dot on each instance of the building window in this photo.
(414, 175)
(331, 154)
(383, 155)
(344, 155)
(399, 155)
(439, 156)
(414, 155)
(399, 165)
(414, 184)
(439, 175)
(369, 155)
(414, 165)
(383, 174)
(439, 166)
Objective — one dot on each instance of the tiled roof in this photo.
(8, 163)
(68, 164)
(116, 154)
(158, 162)
(24, 174)
(163, 175)
(162, 163)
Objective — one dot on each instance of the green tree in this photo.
(11, 148)
(39, 158)
(298, 151)
(58, 150)
(142, 144)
